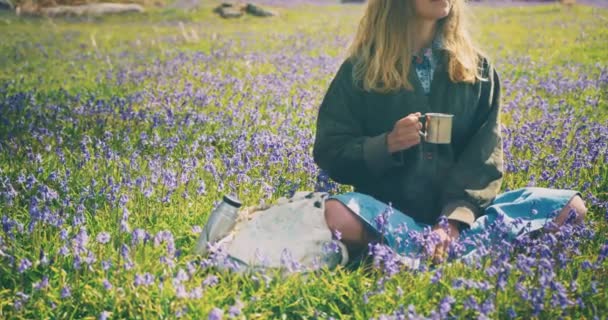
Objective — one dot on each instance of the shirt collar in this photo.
(437, 43)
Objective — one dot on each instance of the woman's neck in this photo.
(424, 35)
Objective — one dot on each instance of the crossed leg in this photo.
(354, 234)
(576, 205)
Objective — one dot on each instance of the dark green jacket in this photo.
(457, 180)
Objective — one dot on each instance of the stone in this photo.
(94, 9)
(257, 11)
(229, 12)
(6, 5)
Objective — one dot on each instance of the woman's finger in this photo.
(438, 255)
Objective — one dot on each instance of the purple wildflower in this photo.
(106, 265)
(337, 234)
(436, 276)
(511, 313)
(210, 281)
(216, 314)
(603, 253)
(235, 310)
(24, 265)
(106, 284)
(196, 293)
(103, 237)
(104, 315)
(66, 292)
(42, 284)
(445, 306)
(331, 247)
(139, 236)
(180, 292)
(145, 279)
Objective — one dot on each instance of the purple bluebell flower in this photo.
(106, 265)
(445, 306)
(235, 310)
(125, 251)
(180, 312)
(105, 315)
(603, 253)
(511, 313)
(24, 265)
(64, 251)
(337, 234)
(124, 221)
(196, 293)
(106, 284)
(79, 218)
(180, 292)
(20, 299)
(201, 189)
(210, 281)
(436, 276)
(103, 237)
(487, 307)
(216, 314)
(145, 279)
(63, 234)
(42, 284)
(139, 236)
(66, 292)
(331, 247)
(197, 229)
(43, 258)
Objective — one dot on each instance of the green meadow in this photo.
(134, 126)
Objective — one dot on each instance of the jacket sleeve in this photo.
(341, 147)
(476, 178)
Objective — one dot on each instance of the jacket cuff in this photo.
(377, 157)
(461, 211)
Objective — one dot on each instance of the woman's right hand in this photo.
(405, 133)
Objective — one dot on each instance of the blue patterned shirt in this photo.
(425, 64)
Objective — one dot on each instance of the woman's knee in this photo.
(336, 214)
(339, 218)
(578, 205)
(575, 206)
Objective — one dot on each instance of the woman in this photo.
(411, 57)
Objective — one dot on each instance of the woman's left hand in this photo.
(446, 236)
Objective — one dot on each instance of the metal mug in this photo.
(437, 127)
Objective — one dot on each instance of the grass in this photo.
(241, 77)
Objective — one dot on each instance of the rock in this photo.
(257, 11)
(228, 4)
(95, 9)
(229, 12)
(6, 5)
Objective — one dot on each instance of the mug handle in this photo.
(422, 118)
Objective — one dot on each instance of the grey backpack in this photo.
(291, 234)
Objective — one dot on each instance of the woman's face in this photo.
(432, 9)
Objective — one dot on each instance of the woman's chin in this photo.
(437, 15)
